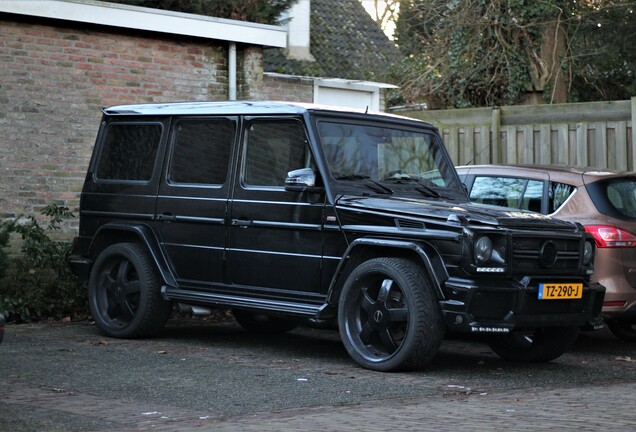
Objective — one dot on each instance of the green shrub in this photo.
(37, 283)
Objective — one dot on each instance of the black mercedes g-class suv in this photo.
(286, 212)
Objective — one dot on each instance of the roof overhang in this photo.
(352, 84)
(154, 20)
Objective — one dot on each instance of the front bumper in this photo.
(499, 307)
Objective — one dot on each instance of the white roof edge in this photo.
(337, 82)
(241, 108)
(353, 84)
(155, 20)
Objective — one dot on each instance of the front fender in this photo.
(374, 247)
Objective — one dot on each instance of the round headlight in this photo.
(588, 253)
(483, 250)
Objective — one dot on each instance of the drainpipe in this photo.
(231, 71)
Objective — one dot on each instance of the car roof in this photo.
(574, 173)
(245, 108)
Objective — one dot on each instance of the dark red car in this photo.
(603, 201)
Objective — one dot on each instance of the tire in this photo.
(624, 330)
(258, 322)
(124, 293)
(534, 346)
(389, 317)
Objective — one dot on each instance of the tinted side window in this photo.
(508, 192)
(202, 151)
(129, 151)
(500, 191)
(532, 196)
(559, 192)
(273, 149)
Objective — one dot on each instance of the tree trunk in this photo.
(550, 82)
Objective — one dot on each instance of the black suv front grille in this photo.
(492, 304)
(532, 253)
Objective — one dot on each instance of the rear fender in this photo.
(112, 233)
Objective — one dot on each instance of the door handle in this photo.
(166, 217)
(243, 223)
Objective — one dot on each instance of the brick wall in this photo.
(54, 80)
(56, 76)
(286, 88)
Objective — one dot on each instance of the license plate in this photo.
(560, 291)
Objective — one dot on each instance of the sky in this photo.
(369, 5)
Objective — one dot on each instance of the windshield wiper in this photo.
(427, 190)
(421, 187)
(377, 187)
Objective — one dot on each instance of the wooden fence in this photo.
(597, 134)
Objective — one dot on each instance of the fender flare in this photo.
(147, 237)
(430, 258)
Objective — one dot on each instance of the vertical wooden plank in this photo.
(545, 144)
(581, 144)
(484, 150)
(496, 147)
(621, 145)
(528, 144)
(630, 147)
(571, 145)
(591, 145)
(601, 145)
(562, 149)
(452, 144)
(632, 144)
(511, 145)
(554, 145)
(467, 143)
(610, 137)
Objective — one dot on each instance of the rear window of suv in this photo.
(615, 197)
(129, 151)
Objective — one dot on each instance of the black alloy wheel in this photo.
(388, 315)
(124, 293)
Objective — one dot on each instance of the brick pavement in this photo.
(67, 378)
(587, 408)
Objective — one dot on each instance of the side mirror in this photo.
(302, 180)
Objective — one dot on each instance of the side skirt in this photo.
(234, 301)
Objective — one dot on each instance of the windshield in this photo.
(387, 155)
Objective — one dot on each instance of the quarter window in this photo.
(129, 151)
(202, 151)
(559, 193)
